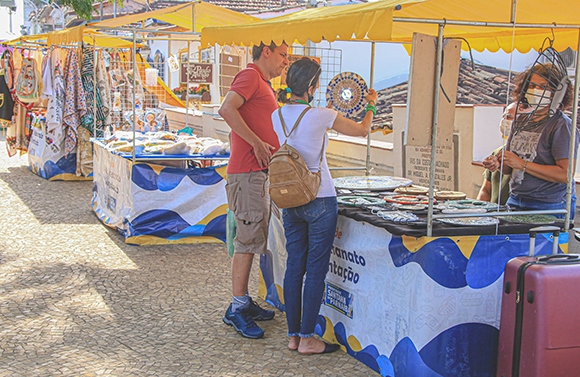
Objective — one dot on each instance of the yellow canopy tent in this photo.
(193, 16)
(347, 22)
(485, 24)
(73, 35)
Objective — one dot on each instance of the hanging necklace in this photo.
(301, 101)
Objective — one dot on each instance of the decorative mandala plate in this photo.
(413, 190)
(372, 183)
(470, 204)
(470, 221)
(347, 92)
(530, 219)
(450, 195)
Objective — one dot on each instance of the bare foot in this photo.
(294, 342)
(310, 346)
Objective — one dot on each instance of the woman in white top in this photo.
(310, 228)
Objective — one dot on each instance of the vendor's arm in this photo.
(229, 111)
(351, 128)
(485, 191)
(552, 173)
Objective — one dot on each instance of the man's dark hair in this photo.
(257, 49)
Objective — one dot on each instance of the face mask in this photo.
(505, 127)
(310, 98)
(534, 97)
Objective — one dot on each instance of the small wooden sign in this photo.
(292, 59)
(198, 73)
(418, 163)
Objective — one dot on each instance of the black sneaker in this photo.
(258, 313)
(243, 323)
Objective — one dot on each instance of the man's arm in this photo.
(229, 111)
(485, 192)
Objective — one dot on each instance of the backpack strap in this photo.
(294, 127)
(295, 124)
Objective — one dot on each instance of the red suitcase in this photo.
(539, 326)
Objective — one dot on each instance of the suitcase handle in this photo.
(559, 259)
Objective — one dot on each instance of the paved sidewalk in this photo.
(75, 300)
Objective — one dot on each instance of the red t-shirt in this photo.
(256, 111)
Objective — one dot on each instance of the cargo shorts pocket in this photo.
(251, 228)
(232, 190)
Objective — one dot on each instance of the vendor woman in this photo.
(537, 149)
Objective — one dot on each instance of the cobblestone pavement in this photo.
(75, 300)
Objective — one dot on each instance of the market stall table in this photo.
(406, 304)
(154, 204)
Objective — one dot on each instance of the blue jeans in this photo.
(518, 203)
(309, 233)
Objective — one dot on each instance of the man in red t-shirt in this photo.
(247, 109)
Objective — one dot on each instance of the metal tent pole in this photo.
(436, 91)
(368, 161)
(134, 90)
(95, 88)
(572, 146)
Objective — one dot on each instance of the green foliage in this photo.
(84, 8)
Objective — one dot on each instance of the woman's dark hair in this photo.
(302, 74)
(553, 76)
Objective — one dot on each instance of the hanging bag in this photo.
(292, 184)
(28, 82)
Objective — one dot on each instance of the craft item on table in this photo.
(464, 210)
(130, 116)
(450, 195)
(374, 208)
(359, 201)
(529, 219)
(397, 216)
(407, 199)
(346, 91)
(178, 148)
(412, 207)
(371, 183)
(164, 135)
(154, 119)
(412, 190)
(364, 193)
(470, 204)
(470, 221)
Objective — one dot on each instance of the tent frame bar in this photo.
(488, 24)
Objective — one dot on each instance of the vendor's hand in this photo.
(491, 163)
(372, 96)
(512, 160)
(263, 152)
(329, 105)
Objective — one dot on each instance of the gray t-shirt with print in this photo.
(543, 145)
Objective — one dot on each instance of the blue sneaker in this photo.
(258, 313)
(243, 323)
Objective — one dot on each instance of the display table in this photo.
(155, 204)
(410, 306)
(47, 159)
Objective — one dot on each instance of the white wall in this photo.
(17, 21)
(486, 132)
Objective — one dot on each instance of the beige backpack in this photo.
(292, 184)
